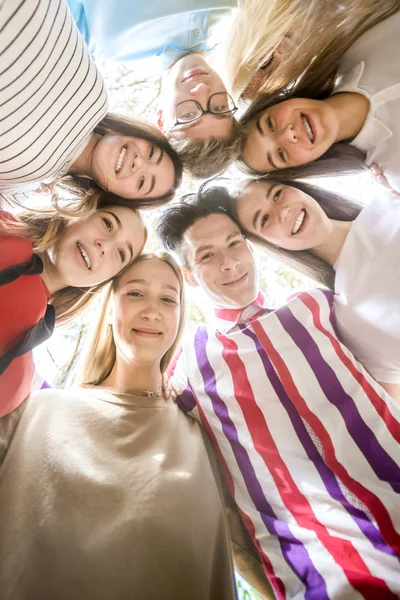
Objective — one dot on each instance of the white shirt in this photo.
(367, 286)
(371, 67)
(51, 94)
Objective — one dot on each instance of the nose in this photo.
(151, 312)
(201, 92)
(228, 263)
(102, 247)
(137, 162)
(289, 134)
(283, 213)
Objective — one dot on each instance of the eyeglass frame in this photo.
(204, 112)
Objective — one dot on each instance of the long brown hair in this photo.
(101, 354)
(334, 205)
(44, 227)
(321, 31)
(86, 192)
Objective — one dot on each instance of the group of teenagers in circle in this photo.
(266, 441)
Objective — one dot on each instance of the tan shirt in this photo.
(107, 496)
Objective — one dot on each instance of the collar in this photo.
(374, 131)
(227, 318)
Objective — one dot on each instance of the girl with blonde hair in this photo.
(123, 502)
(351, 248)
(52, 265)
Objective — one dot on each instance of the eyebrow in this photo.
(147, 283)
(108, 212)
(261, 131)
(271, 161)
(258, 124)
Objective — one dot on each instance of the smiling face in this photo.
(145, 311)
(283, 216)
(290, 134)
(94, 248)
(191, 78)
(221, 261)
(131, 167)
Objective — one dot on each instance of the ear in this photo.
(160, 120)
(188, 277)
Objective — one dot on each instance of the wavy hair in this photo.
(323, 32)
(43, 227)
(101, 353)
(334, 205)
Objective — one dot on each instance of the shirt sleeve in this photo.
(178, 374)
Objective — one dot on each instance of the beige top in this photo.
(107, 496)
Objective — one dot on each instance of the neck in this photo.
(83, 164)
(135, 376)
(352, 110)
(330, 249)
(50, 275)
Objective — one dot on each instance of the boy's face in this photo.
(221, 261)
(191, 78)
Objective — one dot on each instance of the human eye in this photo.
(264, 220)
(141, 183)
(277, 195)
(234, 243)
(151, 151)
(205, 257)
(270, 124)
(108, 224)
(189, 114)
(281, 155)
(220, 108)
(122, 255)
(134, 294)
(169, 300)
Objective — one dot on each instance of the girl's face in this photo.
(145, 311)
(289, 134)
(93, 249)
(282, 215)
(132, 167)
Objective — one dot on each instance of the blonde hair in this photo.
(44, 227)
(322, 31)
(206, 158)
(101, 355)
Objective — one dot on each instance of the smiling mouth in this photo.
(299, 222)
(194, 73)
(151, 333)
(308, 128)
(84, 256)
(236, 281)
(120, 159)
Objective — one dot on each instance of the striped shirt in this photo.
(309, 444)
(51, 94)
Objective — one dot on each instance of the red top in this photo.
(22, 304)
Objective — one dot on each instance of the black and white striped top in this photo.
(51, 94)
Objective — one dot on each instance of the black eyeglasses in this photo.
(188, 111)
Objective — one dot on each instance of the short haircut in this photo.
(207, 158)
(178, 217)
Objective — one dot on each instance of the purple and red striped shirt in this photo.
(309, 445)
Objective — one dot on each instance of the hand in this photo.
(169, 391)
(381, 179)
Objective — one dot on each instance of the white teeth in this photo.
(299, 222)
(84, 256)
(120, 160)
(308, 128)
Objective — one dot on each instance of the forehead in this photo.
(152, 272)
(210, 230)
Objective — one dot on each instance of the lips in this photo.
(147, 333)
(298, 224)
(193, 73)
(308, 127)
(120, 159)
(236, 282)
(85, 256)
